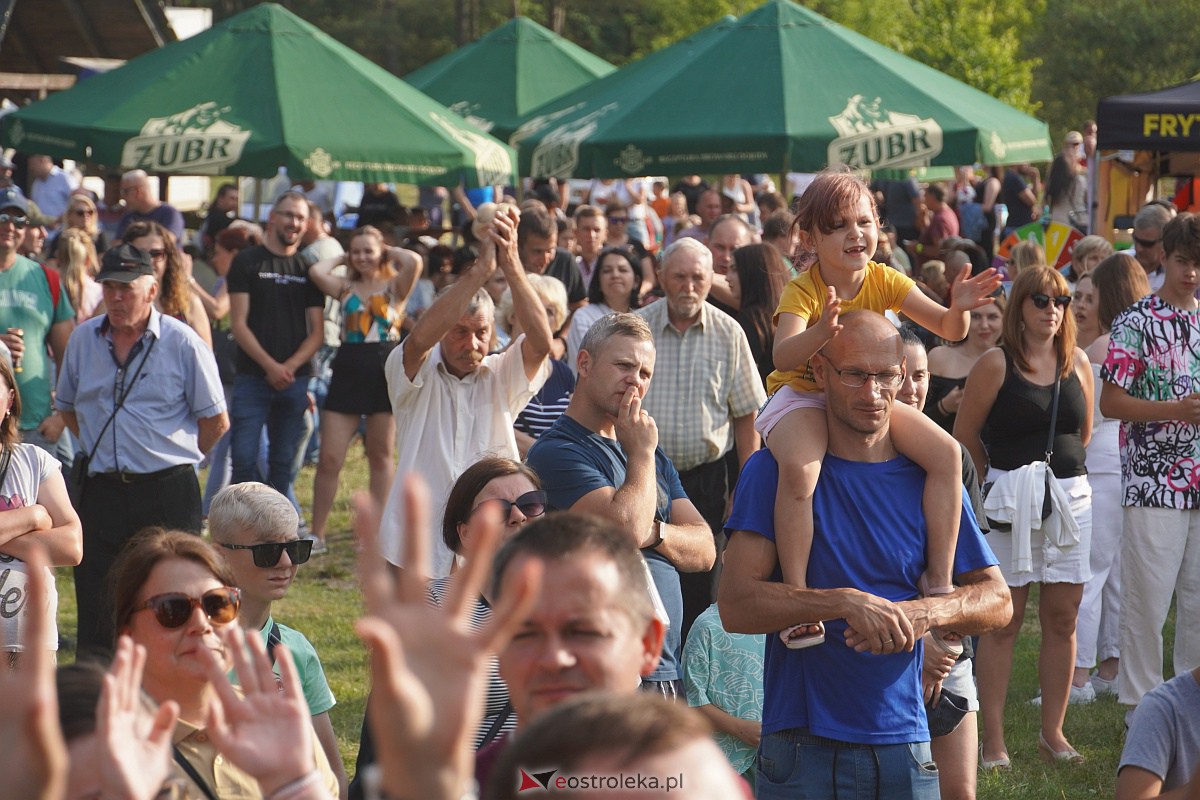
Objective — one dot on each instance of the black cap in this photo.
(12, 198)
(125, 263)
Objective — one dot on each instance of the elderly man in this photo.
(452, 401)
(144, 206)
(275, 314)
(602, 457)
(1147, 242)
(141, 392)
(706, 395)
(35, 313)
(850, 712)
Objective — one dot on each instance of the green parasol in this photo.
(496, 81)
(261, 90)
(780, 89)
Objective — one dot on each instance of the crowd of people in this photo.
(795, 465)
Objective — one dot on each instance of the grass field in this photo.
(325, 601)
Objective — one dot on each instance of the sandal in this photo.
(803, 641)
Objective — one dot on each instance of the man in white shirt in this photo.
(452, 401)
(50, 188)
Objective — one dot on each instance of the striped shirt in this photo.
(704, 378)
(497, 693)
(549, 403)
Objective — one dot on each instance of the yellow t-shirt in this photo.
(883, 289)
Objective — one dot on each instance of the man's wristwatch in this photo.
(658, 534)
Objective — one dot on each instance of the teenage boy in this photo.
(257, 529)
(1152, 383)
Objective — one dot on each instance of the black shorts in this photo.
(359, 385)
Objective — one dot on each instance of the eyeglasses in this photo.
(1146, 243)
(266, 555)
(532, 504)
(157, 255)
(1043, 300)
(857, 378)
(174, 609)
(19, 221)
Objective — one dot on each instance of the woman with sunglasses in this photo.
(34, 511)
(172, 594)
(81, 215)
(175, 298)
(1004, 421)
(493, 492)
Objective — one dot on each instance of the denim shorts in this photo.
(797, 765)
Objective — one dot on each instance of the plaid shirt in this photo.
(704, 378)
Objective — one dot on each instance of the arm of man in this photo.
(526, 303)
(58, 335)
(1135, 783)
(687, 541)
(751, 602)
(981, 603)
(314, 316)
(71, 421)
(211, 429)
(746, 730)
(1116, 403)
(745, 437)
(446, 310)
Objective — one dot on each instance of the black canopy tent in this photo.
(1162, 120)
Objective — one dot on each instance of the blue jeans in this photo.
(795, 764)
(255, 404)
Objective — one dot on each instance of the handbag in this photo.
(1006, 525)
(78, 474)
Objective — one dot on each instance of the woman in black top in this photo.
(1004, 421)
(950, 364)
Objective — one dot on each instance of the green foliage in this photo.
(1092, 50)
(976, 41)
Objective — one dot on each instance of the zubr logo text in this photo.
(871, 137)
(198, 140)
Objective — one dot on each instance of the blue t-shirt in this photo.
(870, 534)
(572, 461)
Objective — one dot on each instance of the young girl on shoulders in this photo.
(836, 219)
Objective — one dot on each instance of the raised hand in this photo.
(135, 752)
(266, 731)
(828, 323)
(967, 293)
(34, 758)
(429, 669)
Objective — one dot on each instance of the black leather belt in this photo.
(121, 476)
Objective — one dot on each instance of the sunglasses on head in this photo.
(1043, 300)
(267, 555)
(18, 221)
(174, 609)
(532, 504)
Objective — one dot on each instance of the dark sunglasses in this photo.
(267, 555)
(532, 504)
(174, 609)
(618, 220)
(86, 212)
(1147, 243)
(1043, 300)
(19, 221)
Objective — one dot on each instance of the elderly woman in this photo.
(34, 512)
(549, 403)
(172, 594)
(1036, 387)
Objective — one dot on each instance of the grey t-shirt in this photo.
(1164, 733)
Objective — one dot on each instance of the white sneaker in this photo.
(1103, 687)
(1080, 695)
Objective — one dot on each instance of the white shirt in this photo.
(52, 192)
(445, 424)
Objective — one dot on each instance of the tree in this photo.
(1091, 50)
